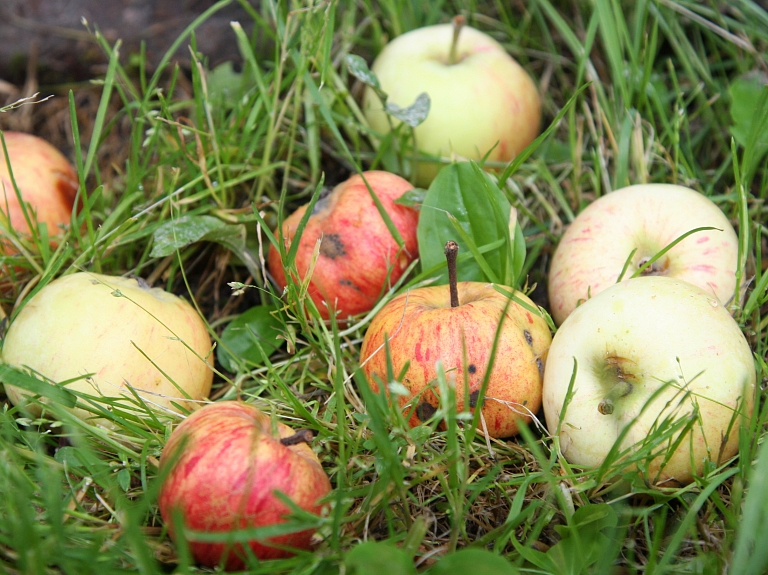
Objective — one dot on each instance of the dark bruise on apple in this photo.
(450, 324)
(358, 258)
(221, 469)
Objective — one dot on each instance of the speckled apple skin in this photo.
(221, 467)
(423, 328)
(359, 259)
(75, 326)
(677, 341)
(46, 179)
(486, 101)
(645, 217)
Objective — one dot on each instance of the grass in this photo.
(247, 147)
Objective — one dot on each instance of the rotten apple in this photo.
(456, 325)
(221, 469)
(358, 258)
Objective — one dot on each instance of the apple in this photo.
(644, 351)
(643, 218)
(456, 325)
(358, 259)
(116, 335)
(45, 178)
(481, 99)
(221, 468)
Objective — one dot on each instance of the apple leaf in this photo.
(465, 205)
(473, 561)
(373, 558)
(358, 67)
(249, 337)
(414, 114)
(413, 198)
(749, 110)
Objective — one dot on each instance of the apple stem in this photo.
(451, 252)
(458, 24)
(301, 436)
(621, 389)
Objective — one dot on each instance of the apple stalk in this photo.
(301, 436)
(619, 390)
(458, 24)
(451, 253)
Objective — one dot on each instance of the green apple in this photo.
(632, 225)
(481, 99)
(648, 354)
(113, 336)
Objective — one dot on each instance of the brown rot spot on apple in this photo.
(472, 368)
(657, 268)
(332, 246)
(425, 410)
(473, 397)
(349, 283)
(540, 365)
(528, 337)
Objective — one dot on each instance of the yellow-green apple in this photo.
(658, 363)
(358, 258)
(221, 469)
(481, 99)
(115, 335)
(47, 181)
(640, 221)
(434, 324)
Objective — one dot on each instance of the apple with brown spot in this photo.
(221, 469)
(358, 258)
(631, 225)
(456, 326)
(47, 181)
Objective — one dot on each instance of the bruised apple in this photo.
(456, 325)
(112, 336)
(222, 468)
(47, 181)
(358, 257)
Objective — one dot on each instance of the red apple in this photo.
(46, 180)
(221, 469)
(427, 325)
(359, 259)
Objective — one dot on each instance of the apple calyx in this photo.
(301, 436)
(458, 24)
(451, 253)
(657, 268)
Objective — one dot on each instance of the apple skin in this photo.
(46, 179)
(221, 467)
(646, 217)
(423, 328)
(74, 326)
(649, 331)
(359, 259)
(486, 100)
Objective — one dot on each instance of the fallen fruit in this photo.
(221, 469)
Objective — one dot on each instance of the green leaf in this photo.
(462, 195)
(413, 198)
(473, 561)
(414, 114)
(249, 337)
(124, 479)
(745, 97)
(186, 230)
(358, 67)
(372, 558)
(224, 84)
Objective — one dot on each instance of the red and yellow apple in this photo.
(221, 468)
(113, 336)
(644, 218)
(358, 258)
(649, 354)
(423, 327)
(481, 99)
(47, 181)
